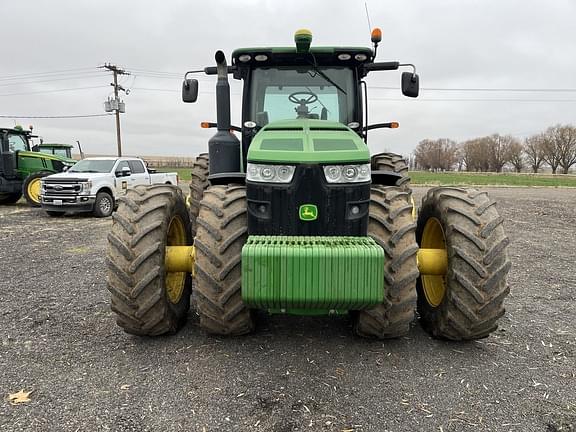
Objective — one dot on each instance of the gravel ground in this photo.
(58, 338)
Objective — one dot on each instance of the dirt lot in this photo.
(59, 339)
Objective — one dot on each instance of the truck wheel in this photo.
(466, 302)
(55, 213)
(31, 188)
(103, 205)
(390, 223)
(222, 231)
(395, 163)
(10, 198)
(199, 182)
(146, 299)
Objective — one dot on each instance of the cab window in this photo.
(17, 143)
(136, 167)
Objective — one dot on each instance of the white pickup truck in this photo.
(94, 184)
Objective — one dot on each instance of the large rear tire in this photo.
(146, 299)
(390, 223)
(466, 302)
(222, 232)
(10, 198)
(198, 184)
(394, 163)
(31, 188)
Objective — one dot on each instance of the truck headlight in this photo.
(270, 173)
(85, 187)
(347, 173)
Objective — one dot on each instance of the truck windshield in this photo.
(93, 166)
(283, 93)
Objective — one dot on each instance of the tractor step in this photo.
(284, 273)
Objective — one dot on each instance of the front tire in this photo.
(390, 223)
(146, 299)
(466, 302)
(10, 198)
(222, 232)
(31, 188)
(103, 205)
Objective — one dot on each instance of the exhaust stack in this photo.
(224, 147)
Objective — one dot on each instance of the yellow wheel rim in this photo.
(34, 190)
(175, 281)
(434, 286)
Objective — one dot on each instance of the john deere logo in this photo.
(308, 212)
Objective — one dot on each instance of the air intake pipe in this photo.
(224, 147)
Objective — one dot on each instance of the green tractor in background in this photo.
(57, 149)
(22, 165)
(298, 218)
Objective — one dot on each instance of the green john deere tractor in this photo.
(296, 217)
(22, 167)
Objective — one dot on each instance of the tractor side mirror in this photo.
(410, 84)
(190, 90)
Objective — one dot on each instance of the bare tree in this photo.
(499, 148)
(564, 138)
(534, 150)
(550, 149)
(475, 154)
(516, 155)
(436, 154)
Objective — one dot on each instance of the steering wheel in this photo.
(312, 97)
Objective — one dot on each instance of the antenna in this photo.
(368, 17)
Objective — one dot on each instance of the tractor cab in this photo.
(301, 84)
(62, 150)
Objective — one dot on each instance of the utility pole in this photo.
(116, 104)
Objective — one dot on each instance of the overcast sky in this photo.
(504, 44)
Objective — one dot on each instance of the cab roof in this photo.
(55, 145)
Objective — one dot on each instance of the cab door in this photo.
(139, 173)
(122, 182)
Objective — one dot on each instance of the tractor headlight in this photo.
(347, 173)
(270, 173)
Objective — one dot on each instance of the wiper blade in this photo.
(327, 78)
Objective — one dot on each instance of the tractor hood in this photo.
(307, 141)
(47, 156)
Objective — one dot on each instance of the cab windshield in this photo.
(17, 143)
(64, 152)
(93, 166)
(285, 93)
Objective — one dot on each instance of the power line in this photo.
(71, 77)
(51, 91)
(38, 74)
(472, 89)
(472, 100)
(56, 117)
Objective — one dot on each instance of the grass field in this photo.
(461, 178)
(492, 179)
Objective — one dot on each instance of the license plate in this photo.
(57, 202)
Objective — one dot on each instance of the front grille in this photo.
(62, 187)
(273, 208)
